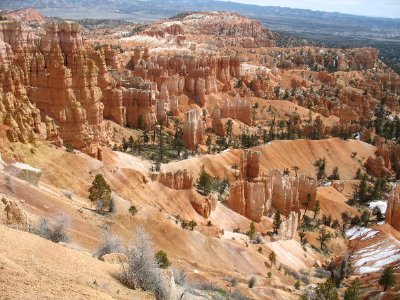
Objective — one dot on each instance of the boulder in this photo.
(24, 172)
(114, 258)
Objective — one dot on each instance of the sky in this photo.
(375, 8)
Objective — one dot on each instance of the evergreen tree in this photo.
(335, 174)
(100, 192)
(353, 291)
(363, 190)
(272, 258)
(320, 165)
(252, 231)
(317, 209)
(323, 237)
(277, 222)
(388, 278)
(204, 182)
(326, 291)
(229, 130)
(346, 218)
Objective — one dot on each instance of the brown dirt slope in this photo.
(45, 270)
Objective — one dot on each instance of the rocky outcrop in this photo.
(193, 129)
(25, 15)
(393, 208)
(24, 172)
(376, 166)
(195, 76)
(58, 75)
(253, 195)
(238, 109)
(288, 227)
(204, 206)
(250, 165)
(114, 258)
(179, 180)
(14, 215)
(52, 133)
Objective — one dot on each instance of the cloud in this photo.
(382, 8)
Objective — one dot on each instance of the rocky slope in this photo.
(205, 95)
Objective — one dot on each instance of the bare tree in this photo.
(110, 244)
(143, 268)
(54, 230)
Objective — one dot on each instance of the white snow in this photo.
(360, 232)
(375, 256)
(379, 203)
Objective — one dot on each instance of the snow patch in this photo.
(382, 205)
(361, 232)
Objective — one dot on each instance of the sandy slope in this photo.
(34, 268)
(286, 154)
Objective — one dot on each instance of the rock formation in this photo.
(193, 129)
(14, 215)
(393, 208)
(58, 75)
(288, 227)
(204, 206)
(196, 76)
(179, 180)
(253, 195)
(24, 172)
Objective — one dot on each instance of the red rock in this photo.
(193, 129)
(393, 208)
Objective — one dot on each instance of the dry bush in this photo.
(54, 230)
(142, 270)
(110, 244)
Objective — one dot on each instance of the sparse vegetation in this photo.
(142, 270)
(326, 291)
(388, 278)
(110, 243)
(100, 193)
(353, 291)
(133, 210)
(204, 182)
(162, 259)
(54, 230)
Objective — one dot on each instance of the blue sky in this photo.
(379, 8)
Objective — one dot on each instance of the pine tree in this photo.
(307, 204)
(324, 236)
(353, 291)
(277, 222)
(252, 231)
(320, 165)
(387, 278)
(326, 291)
(317, 209)
(363, 190)
(335, 174)
(100, 192)
(204, 182)
(272, 258)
